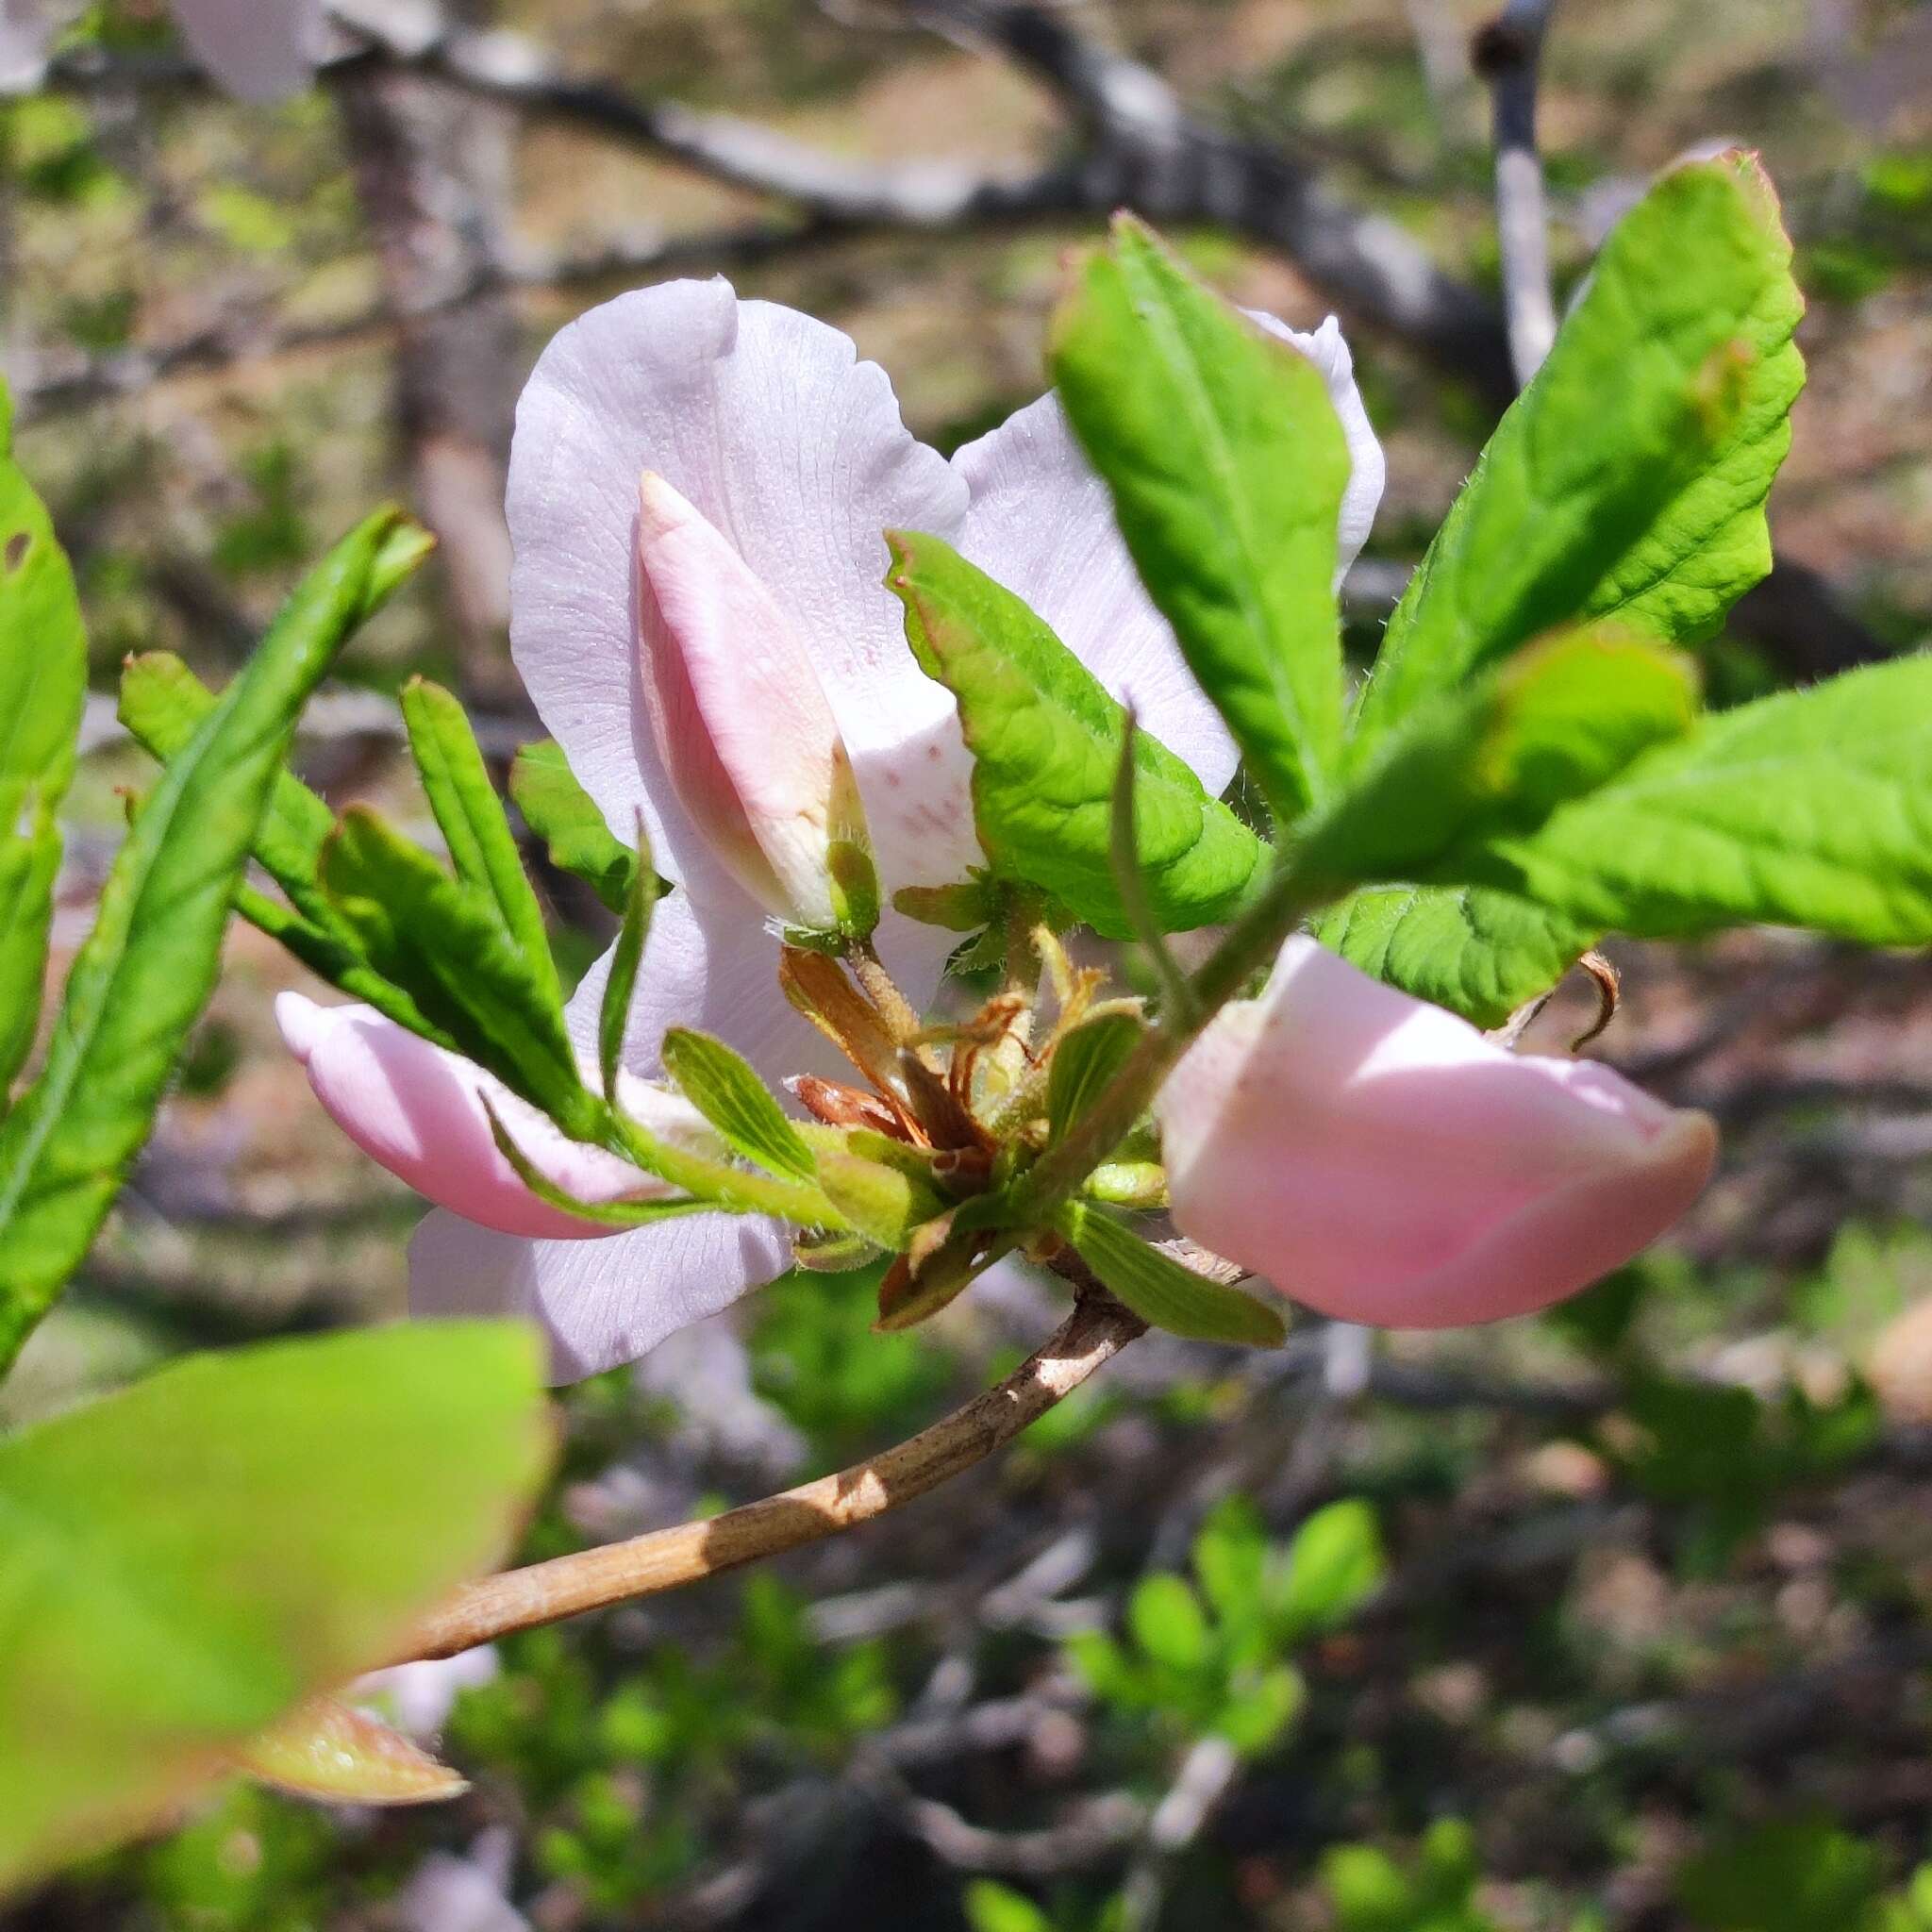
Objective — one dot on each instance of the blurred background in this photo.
(1614, 1621)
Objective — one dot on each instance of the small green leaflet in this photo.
(564, 816)
(1628, 480)
(1481, 954)
(1227, 465)
(162, 703)
(1552, 724)
(141, 980)
(1159, 1289)
(482, 848)
(187, 1559)
(1083, 1064)
(720, 1083)
(43, 690)
(445, 945)
(1810, 809)
(1045, 739)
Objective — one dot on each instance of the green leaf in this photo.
(163, 704)
(1480, 954)
(444, 944)
(1083, 1063)
(1254, 1718)
(1168, 1623)
(187, 1560)
(1628, 480)
(720, 1083)
(333, 1752)
(993, 1907)
(1335, 1564)
(564, 816)
(43, 690)
(613, 1011)
(1810, 809)
(1160, 1291)
(1230, 1557)
(481, 846)
(1787, 1877)
(1045, 740)
(1227, 464)
(1549, 724)
(141, 978)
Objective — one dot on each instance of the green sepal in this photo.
(613, 1011)
(1084, 1064)
(722, 1086)
(1159, 1289)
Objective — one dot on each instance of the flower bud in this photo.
(1384, 1162)
(742, 725)
(419, 1111)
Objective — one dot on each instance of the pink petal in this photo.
(1041, 521)
(1383, 1162)
(792, 449)
(419, 1111)
(738, 716)
(258, 49)
(602, 1302)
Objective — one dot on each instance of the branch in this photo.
(1505, 53)
(1092, 1335)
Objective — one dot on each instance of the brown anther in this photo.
(839, 1106)
(816, 985)
(1608, 990)
(946, 1121)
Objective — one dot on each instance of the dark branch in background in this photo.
(1505, 53)
(431, 168)
(1134, 145)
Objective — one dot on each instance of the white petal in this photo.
(601, 1303)
(715, 969)
(258, 49)
(768, 424)
(1041, 521)
(1326, 350)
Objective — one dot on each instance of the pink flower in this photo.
(420, 1111)
(257, 49)
(1383, 1162)
(779, 461)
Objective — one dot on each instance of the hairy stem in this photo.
(894, 1009)
(1096, 1331)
